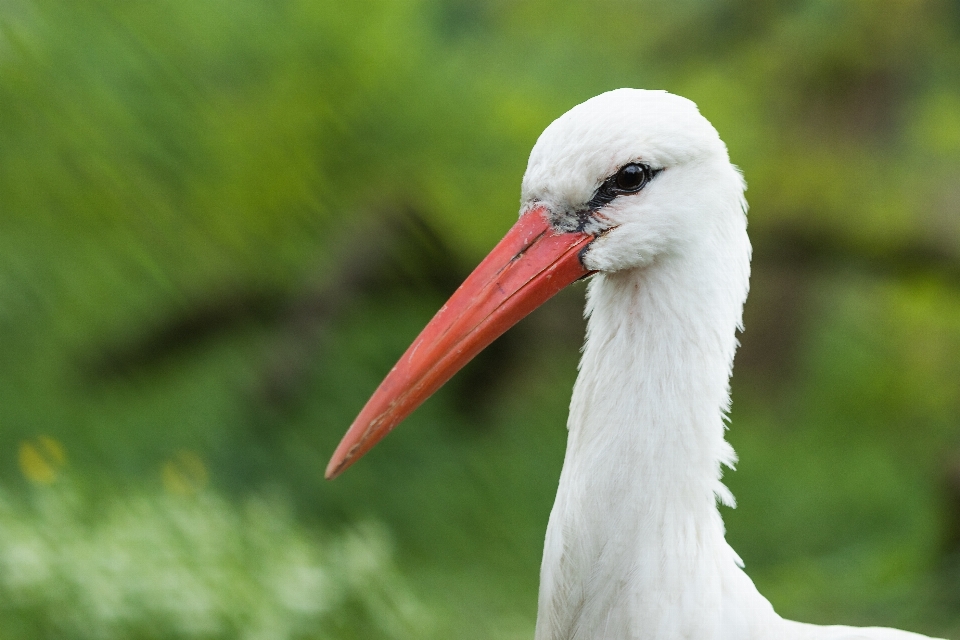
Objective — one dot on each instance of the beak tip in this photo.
(346, 452)
(335, 467)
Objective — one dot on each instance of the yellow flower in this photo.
(184, 474)
(42, 459)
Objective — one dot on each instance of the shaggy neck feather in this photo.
(635, 523)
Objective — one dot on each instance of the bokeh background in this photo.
(222, 221)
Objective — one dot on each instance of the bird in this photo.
(635, 191)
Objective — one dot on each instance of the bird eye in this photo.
(632, 177)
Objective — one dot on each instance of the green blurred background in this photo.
(222, 222)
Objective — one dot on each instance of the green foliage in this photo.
(149, 565)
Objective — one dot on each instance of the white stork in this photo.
(637, 188)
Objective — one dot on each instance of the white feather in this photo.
(635, 545)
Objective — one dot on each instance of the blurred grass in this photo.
(150, 565)
(161, 161)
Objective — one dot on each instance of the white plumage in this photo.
(635, 545)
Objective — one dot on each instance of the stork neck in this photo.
(635, 519)
(647, 410)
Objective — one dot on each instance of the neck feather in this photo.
(635, 521)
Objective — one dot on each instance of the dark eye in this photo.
(632, 177)
(629, 179)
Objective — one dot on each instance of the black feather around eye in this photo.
(630, 178)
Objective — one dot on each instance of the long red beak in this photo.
(528, 267)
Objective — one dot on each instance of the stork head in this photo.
(612, 184)
(642, 171)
